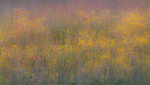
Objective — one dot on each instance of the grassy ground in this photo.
(75, 43)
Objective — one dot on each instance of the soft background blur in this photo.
(74, 42)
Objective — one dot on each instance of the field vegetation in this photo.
(75, 42)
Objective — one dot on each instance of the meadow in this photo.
(76, 42)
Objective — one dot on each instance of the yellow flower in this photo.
(33, 74)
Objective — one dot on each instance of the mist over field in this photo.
(74, 42)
